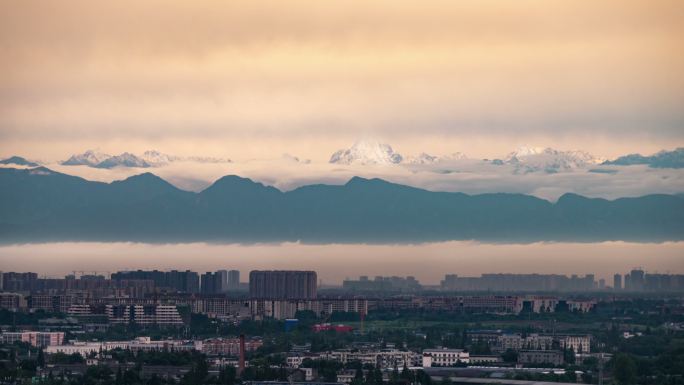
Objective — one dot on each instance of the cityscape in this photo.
(281, 326)
(303, 192)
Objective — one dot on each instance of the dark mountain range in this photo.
(19, 161)
(40, 205)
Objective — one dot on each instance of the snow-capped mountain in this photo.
(89, 158)
(94, 158)
(425, 158)
(156, 158)
(422, 158)
(150, 158)
(367, 152)
(124, 160)
(534, 159)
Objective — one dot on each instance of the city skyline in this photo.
(334, 263)
(303, 285)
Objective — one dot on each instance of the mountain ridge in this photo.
(41, 205)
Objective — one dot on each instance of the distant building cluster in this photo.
(501, 341)
(283, 284)
(639, 281)
(380, 283)
(166, 298)
(519, 282)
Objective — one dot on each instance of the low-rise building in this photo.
(144, 315)
(37, 339)
(13, 301)
(553, 357)
(578, 343)
(444, 357)
(485, 359)
(139, 344)
(228, 346)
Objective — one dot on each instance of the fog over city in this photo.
(427, 262)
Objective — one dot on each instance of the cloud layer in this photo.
(469, 176)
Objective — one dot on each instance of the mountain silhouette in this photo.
(40, 205)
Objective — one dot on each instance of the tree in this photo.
(119, 377)
(423, 378)
(358, 377)
(41, 358)
(377, 376)
(510, 355)
(625, 369)
(227, 375)
(394, 377)
(569, 355)
(406, 374)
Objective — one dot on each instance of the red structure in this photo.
(326, 327)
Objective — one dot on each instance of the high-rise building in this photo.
(211, 283)
(221, 281)
(636, 278)
(282, 284)
(617, 282)
(181, 281)
(12, 281)
(628, 282)
(233, 280)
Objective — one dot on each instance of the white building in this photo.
(139, 344)
(580, 344)
(444, 357)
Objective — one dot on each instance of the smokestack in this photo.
(241, 362)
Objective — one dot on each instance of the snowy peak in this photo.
(367, 152)
(425, 158)
(372, 152)
(422, 158)
(156, 158)
(124, 160)
(534, 159)
(93, 158)
(89, 158)
(150, 158)
(526, 151)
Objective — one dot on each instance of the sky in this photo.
(253, 80)
(256, 79)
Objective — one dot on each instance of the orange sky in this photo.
(245, 79)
